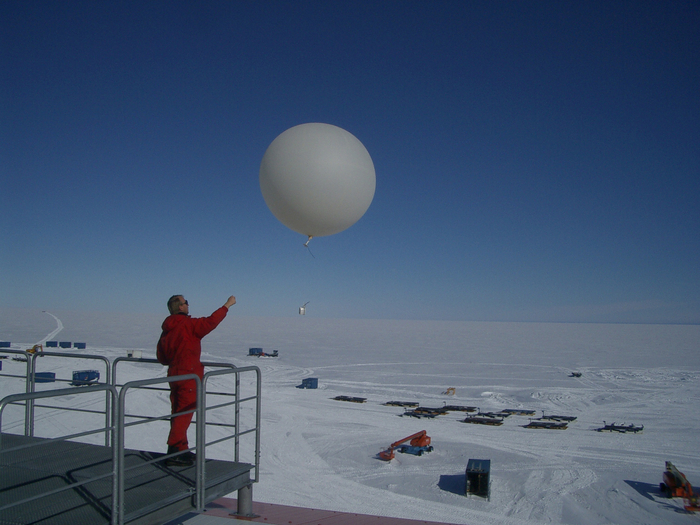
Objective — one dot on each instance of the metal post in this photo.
(200, 447)
(116, 461)
(237, 419)
(29, 408)
(118, 467)
(109, 416)
(245, 502)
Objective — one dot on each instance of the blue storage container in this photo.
(85, 377)
(255, 351)
(44, 377)
(51, 344)
(4, 344)
(79, 345)
(65, 344)
(309, 382)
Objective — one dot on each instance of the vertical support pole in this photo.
(245, 502)
(29, 406)
(201, 444)
(116, 456)
(118, 446)
(258, 409)
(108, 406)
(237, 419)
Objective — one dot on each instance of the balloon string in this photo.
(306, 244)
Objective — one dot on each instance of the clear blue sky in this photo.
(535, 161)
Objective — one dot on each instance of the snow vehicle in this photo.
(350, 399)
(622, 429)
(401, 404)
(483, 419)
(551, 425)
(85, 377)
(258, 352)
(676, 485)
(419, 442)
(416, 451)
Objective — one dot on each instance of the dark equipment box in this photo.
(309, 382)
(85, 377)
(478, 477)
(44, 377)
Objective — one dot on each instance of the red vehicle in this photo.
(419, 439)
(676, 485)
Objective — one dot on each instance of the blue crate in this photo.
(4, 344)
(44, 377)
(85, 377)
(82, 346)
(65, 344)
(309, 382)
(51, 344)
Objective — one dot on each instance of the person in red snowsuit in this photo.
(180, 348)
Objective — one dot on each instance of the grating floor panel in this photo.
(154, 493)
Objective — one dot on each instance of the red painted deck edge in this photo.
(285, 515)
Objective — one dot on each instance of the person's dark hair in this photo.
(174, 303)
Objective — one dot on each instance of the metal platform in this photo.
(153, 492)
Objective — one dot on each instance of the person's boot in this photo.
(186, 459)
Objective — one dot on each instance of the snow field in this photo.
(321, 453)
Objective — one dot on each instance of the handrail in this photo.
(30, 381)
(115, 421)
(156, 362)
(111, 392)
(237, 403)
(237, 434)
(118, 509)
(28, 388)
(71, 355)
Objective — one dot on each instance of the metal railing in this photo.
(117, 420)
(30, 396)
(31, 380)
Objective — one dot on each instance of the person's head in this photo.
(178, 304)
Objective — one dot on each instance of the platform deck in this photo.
(153, 493)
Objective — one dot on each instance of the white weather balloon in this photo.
(317, 179)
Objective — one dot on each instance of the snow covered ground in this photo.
(322, 453)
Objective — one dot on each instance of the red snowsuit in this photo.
(180, 347)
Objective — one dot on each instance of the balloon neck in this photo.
(308, 241)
